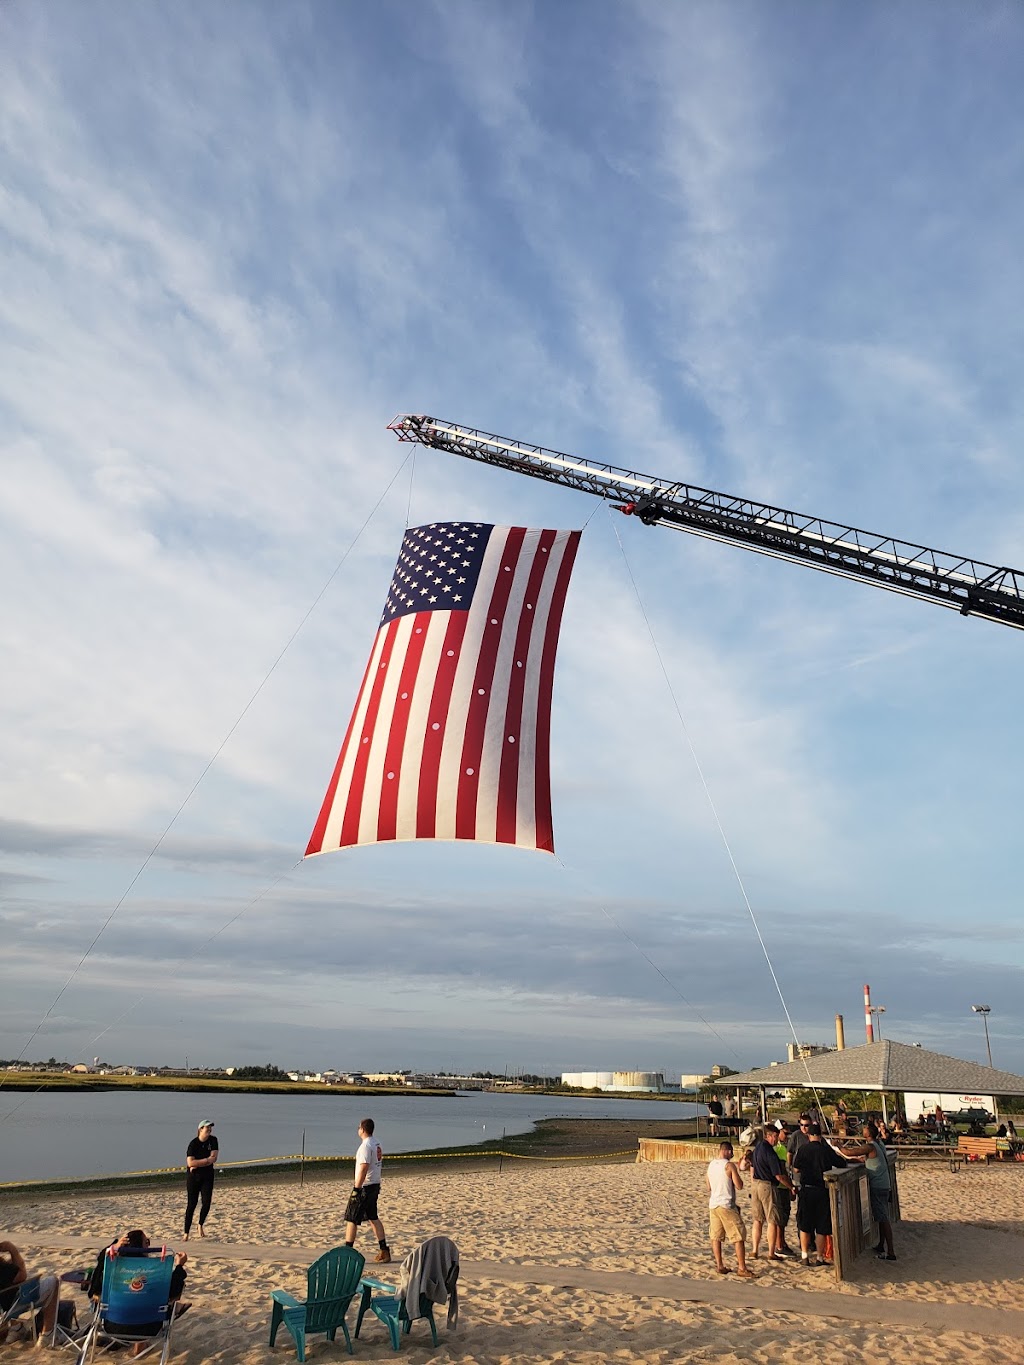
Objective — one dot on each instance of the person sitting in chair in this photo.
(136, 1240)
(14, 1272)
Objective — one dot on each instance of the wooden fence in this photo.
(676, 1149)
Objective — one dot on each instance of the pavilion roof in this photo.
(885, 1065)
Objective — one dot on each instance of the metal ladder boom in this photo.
(967, 585)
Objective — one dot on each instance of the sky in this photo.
(769, 248)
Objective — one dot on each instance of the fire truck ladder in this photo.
(967, 585)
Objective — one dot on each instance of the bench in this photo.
(984, 1149)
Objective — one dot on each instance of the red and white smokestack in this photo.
(869, 1027)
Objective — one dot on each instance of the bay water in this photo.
(53, 1135)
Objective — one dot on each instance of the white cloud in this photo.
(228, 263)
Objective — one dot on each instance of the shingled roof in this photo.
(884, 1065)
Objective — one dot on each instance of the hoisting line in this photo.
(714, 809)
(216, 754)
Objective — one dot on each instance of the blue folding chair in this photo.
(26, 1301)
(135, 1305)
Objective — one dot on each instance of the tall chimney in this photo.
(840, 1035)
(869, 1028)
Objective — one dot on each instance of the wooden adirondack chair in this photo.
(331, 1284)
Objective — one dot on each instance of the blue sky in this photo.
(769, 248)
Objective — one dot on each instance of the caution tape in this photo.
(513, 1156)
(468, 1155)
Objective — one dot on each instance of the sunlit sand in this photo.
(583, 1263)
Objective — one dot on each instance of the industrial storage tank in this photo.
(639, 1080)
(588, 1080)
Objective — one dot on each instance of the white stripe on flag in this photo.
(369, 813)
(526, 810)
(332, 834)
(419, 718)
(450, 773)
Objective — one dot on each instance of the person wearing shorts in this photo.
(724, 1219)
(769, 1174)
(876, 1159)
(813, 1213)
(362, 1203)
(13, 1273)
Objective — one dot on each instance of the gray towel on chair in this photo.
(431, 1271)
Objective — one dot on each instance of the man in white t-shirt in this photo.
(362, 1202)
(725, 1219)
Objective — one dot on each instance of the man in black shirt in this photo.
(813, 1214)
(200, 1161)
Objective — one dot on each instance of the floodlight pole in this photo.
(985, 1011)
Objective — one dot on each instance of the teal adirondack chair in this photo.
(433, 1269)
(331, 1285)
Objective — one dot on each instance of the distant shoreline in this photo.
(90, 1084)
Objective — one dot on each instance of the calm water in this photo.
(58, 1135)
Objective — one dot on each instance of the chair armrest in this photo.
(371, 1282)
(285, 1299)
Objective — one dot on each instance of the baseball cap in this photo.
(205, 1123)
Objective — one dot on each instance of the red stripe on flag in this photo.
(476, 719)
(542, 801)
(404, 722)
(387, 822)
(316, 839)
(354, 805)
(508, 779)
(437, 720)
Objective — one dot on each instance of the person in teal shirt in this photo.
(876, 1161)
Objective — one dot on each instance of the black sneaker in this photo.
(885, 1257)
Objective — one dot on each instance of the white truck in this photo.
(919, 1102)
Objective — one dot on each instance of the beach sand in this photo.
(578, 1262)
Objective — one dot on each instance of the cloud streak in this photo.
(761, 257)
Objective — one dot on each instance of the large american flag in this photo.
(449, 736)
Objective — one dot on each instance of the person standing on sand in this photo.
(769, 1173)
(876, 1160)
(783, 1196)
(724, 1218)
(362, 1202)
(715, 1112)
(200, 1160)
(813, 1214)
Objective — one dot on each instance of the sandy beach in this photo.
(578, 1262)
